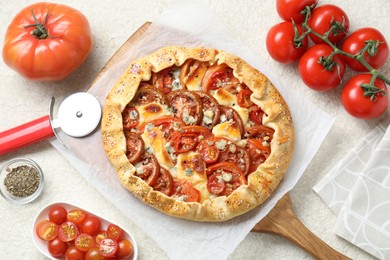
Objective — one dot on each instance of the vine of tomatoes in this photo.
(76, 234)
(333, 49)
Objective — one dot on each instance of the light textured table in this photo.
(112, 23)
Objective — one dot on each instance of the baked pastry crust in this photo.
(260, 183)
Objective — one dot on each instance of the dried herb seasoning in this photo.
(22, 181)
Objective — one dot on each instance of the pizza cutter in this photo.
(78, 115)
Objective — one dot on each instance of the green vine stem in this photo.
(370, 47)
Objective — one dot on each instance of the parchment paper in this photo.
(192, 23)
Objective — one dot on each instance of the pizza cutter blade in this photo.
(78, 115)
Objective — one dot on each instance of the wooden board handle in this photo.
(281, 220)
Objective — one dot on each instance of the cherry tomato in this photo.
(356, 41)
(167, 125)
(108, 247)
(134, 146)
(102, 235)
(57, 214)
(72, 253)
(211, 111)
(217, 76)
(185, 191)
(164, 182)
(187, 106)
(76, 216)
(84, 242)
(360, 106)
(313, 73)
(47, 230)
(291, 9)
(280, 43)
(224, 178)
(208, 150)
(52, 53)
(321, 20)
(125, 249)
(260, 132)
(130, 117)
(57, 247)
(93, 254)
(256, 115)
(148, 169)
(91, 225)
(114, 232)
(258, 152)
(67, 231)
(186, 138)
(244, 98)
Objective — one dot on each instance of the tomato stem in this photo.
(40, 31)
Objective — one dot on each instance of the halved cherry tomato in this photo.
(47, 230)
(57, 214)
(164, 182)
(218, 76)
(189, 70)
(114, 232)
(148, 169)
(167, 80)
(125, 249)
(186, 138)
(224, 178)
(231, 114)
(68, 231)
(108, 247)
(147, 94)
(258, 153)
(235, 155)
(211, 111)
(102, 235)
(84, 242)
(185, 191)
(91, 225)
(256, 115)
(167, 125)
(244, 98)
(130, 117)
(323, 17)
(72, 253)
(134, 146)
(187, 106)
(208, 150)
(57, 247)
(77, 216)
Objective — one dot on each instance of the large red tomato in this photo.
(361, 106)
(291, 9)
(280, 43)
(313, 73)
(322, 19)
(47, 41)
(357, 40)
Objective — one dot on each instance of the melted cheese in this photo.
(188, 168)
(155, 144)
(151, 111)
(229, 130)
(227, 99)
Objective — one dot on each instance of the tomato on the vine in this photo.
(314, 74)
(356, 42)
(361, 106)
(280, 43)
(291, 9)
(323, 17)
(47, 41)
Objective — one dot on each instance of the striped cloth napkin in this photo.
(357, 189)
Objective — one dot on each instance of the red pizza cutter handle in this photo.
(26, 134)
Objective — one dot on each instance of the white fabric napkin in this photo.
(358, 190)
(192, 23)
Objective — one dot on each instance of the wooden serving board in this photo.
(282, 219)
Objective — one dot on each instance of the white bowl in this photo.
(44, 214)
